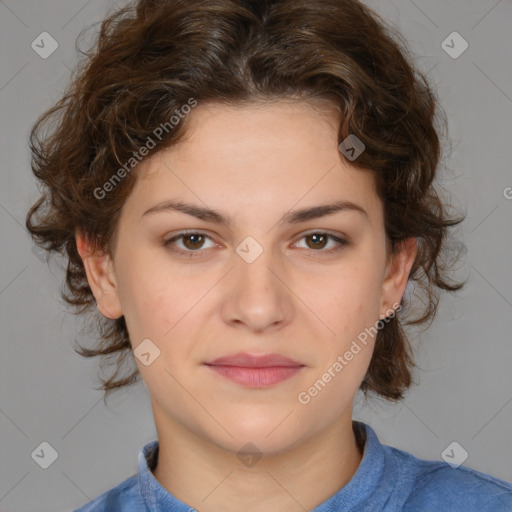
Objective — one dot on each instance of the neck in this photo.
(209, 478)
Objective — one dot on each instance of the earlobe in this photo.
(397, 275)
(101, 278)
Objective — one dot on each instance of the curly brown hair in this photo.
(151, 57)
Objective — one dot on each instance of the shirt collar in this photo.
(358, 490)
(366, 485)
(154, 496)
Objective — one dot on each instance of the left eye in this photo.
(194, 241)
(320, 239)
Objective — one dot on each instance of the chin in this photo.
(269, 437)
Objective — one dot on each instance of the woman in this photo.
(244, 189)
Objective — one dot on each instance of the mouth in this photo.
(255, 371)
(257, 377)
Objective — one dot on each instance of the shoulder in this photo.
(435, 484)
(123, 497)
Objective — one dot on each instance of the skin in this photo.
(297, 299)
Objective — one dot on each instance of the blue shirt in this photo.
(387, 479)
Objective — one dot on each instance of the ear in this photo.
(397, 275)
(101, 277)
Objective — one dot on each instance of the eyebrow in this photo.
(292, 217)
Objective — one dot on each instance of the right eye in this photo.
(192, 242)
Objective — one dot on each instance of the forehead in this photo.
(265, 155)
(280, 126)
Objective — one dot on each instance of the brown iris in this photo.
(197, 241)
(317, 236)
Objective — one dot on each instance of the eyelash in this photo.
(194, 254)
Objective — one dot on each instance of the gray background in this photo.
(465, 391)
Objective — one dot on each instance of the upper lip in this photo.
(245, 360)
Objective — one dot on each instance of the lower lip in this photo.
(257, 377)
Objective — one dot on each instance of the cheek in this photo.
(152, 302)
(167, 310)
(349, 299)
(349, 306)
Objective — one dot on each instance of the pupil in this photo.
(316, 238)
(194, 237)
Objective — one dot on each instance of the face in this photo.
(263, 281)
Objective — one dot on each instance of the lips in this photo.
(245, 360)
(255, 371)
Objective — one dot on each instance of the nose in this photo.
(257, 296)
